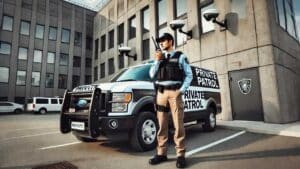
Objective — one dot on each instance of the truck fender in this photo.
(141, 103)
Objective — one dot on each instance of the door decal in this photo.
(245, 85)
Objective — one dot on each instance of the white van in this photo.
(43, 105)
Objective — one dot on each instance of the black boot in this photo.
(180, 163)
(158, 159)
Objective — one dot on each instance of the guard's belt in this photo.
(162, 108)
(171, 87)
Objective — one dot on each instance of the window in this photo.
(65, 36)
(7, 23)
(26, 4)
(35, 79)
(121, 34)
(76, 61)
(75, 81)
(145, 20)
(42, 101)
(111, 66)
(39, 31)
(146, 49)
(20, 100)
(206, 26)
(88, 62)
(78, 39)
(88, 79)
(5, 48)
(4, 74)
(96, 48)
(121, 61)
(111, 39)
(102, 70)
(162, 12)
(89, 42)
(37, 56)
(22, 53)
(54, 101)
(181, 8)
(63, 59)
(25, 28)
(62, 81)
(102, 43)
(21, 77)
(49, 80)
(95, 73)
(51, 57)
(52, 33)
(132, 27)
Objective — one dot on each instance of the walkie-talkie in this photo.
(155, 44)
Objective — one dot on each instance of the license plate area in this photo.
(77, 125)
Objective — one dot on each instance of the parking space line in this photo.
(31, 129)
(56, 146)
(189, 153)
(33, 135)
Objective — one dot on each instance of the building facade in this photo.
(258, 61)
(45, 48)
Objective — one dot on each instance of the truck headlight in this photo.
(120, 101)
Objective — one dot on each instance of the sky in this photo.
(297, 15)
(94, 5)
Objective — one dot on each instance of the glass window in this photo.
(76, 61)
(102, 70)
(35, 78)
(95, 73)
(111, 66)
(132, 27)
(207, 26)
(62, 81)
(88, 62)
(280, 10)
(21, 77)
(145, 20)
(121, 34)
(134, 73)
(63, 59)
(65, 36)
(42, 101)
(146, 50)
(78, 39)
(5, 48)
(111, 39)
(102, 43)
(22, 53)
(7, 23)
(52, 33)
(88, 79)
(20, 100)
(51, 57)
(49, 80)
(37, 56)
(89, 42)
(162, 30)
(181, 8)
(290, 18)
(75, 81)
(239, 7)
(96, 48)
(297, 15)
(4, 74)
(121, 61)
(162, 12)
(25, 28)
(39, 31)
(54, 101)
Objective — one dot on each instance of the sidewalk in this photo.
(291, 129)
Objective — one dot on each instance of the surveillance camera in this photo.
(210, 14)
(177, 24)
(124, 49)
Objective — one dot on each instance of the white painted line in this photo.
(62, 145)
(31, 129)
(34, 135)
(214, 144)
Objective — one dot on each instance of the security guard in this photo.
(173, 76)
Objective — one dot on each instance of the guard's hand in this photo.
(158, 55)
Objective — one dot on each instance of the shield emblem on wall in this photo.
(245, 85)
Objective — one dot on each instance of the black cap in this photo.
(165, 36)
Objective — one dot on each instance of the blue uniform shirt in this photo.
(182, 64)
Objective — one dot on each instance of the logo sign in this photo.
(245, 86)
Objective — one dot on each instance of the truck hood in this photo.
(125, 86)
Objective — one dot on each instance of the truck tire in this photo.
(18, 111)
(143, 135)
(210, 123)
(86, 139)
(42, 111)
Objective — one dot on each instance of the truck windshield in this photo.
(140, 73)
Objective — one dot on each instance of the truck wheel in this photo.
(86, 139)
(42, 111)
(18, 111)
(210, 123)
(143, 135)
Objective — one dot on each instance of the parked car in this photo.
(42, 105)
(11, 107)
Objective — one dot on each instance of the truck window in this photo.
(41, 101)
(30, 101)
(60, 101)
(54, 101)
(140, 73)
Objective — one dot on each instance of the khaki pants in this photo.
(173, 97)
